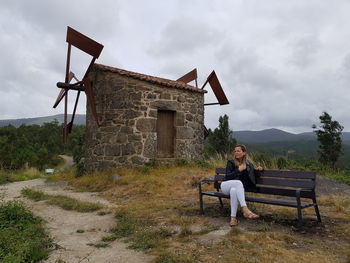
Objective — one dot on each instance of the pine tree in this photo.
(329, 137)
(220, 140)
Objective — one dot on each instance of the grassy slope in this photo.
(159, 214)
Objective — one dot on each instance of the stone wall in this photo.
(127, 109)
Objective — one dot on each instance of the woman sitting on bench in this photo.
(239, 176)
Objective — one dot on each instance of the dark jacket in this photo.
(246, 176)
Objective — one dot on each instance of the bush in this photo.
(22, 238)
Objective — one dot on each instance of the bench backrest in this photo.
(280, 182)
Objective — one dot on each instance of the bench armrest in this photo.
(207, 180)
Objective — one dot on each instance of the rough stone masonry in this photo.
(129, 105)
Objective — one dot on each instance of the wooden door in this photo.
(165, 134)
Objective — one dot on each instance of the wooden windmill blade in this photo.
(90, 97)
(83, 43)
(190, 76)
(94, 49)
(217, 89)
(63, 91)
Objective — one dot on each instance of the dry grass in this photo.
(64, 202)
(159, 214)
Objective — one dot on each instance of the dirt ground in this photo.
(62, 225)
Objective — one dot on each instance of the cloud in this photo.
(281, 63)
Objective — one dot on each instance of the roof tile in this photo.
(151, 79)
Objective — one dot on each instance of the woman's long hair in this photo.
(244, 159)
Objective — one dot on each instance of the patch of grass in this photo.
(207, 229)
(20, 175)
(96, 182)
(80, 231)
(341, 176)
(127, 225)
(261, 227)
(109, 238)
(98, 245)
(101, 245)
(172, 258)
(64, 202)
(145, 240)
(138, 232)
(22, 237)
(103, 213)
(185, 231)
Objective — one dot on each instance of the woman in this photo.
(239, 176)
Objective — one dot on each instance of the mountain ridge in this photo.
(277, 135)
(78, 120)
(244, 136)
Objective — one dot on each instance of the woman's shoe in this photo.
(250, 215)
(234, 221)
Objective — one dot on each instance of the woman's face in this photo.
(239, 154)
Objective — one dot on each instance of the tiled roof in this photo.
(151, 79)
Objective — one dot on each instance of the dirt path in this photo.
(62, 226)
(68, 162)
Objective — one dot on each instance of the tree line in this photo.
(221, 141)
(36, 145)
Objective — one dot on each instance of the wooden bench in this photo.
(292, 184)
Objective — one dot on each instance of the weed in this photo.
(80, 231)
(152, 163)
(185, 231)
(34, 195)
(102, 213)
(181, 162)
(22, 238)
(19, 175)
(127, 225)
(203, 164)
(101, 245)
(109, 238)
(261, 228)
(207, 230)
(64, 202)
(145, 240)
(172, 258)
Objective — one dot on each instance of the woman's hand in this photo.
(259, 168)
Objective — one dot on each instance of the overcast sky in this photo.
(281, 63)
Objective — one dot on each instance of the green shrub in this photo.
(181, 162)
(22, 238)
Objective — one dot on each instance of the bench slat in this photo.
(286, 182)
(284, 192)
(282, 202)
(289, 174)
(263, 200)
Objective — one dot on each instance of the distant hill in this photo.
(276, 142)
(80, 119)
(276, 135)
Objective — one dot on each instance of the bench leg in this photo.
(317, 211)
(200, 198)
(201, 204)
(300, 216)
(222, 205)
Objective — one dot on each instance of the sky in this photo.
(281, 63)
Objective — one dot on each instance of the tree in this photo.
(220, 140)
(329, 137)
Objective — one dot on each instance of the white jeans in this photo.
(235, 189)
